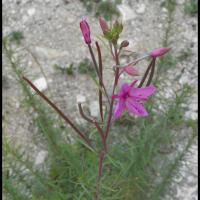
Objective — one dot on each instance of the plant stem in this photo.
(59, 112)
(100, 81)
(104, 139)
(101, 159)
(97, 71)
(146, 73)
(112, 101)
(151, 73)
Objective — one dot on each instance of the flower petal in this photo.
(136, 108)
(119, 108)
(124, 89)
(142, 92)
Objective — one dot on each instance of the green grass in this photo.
(106, 9)
(16, 37)
(191, 7)
(86, 67)
(65, 70)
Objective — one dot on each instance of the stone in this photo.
(126, 12)
(94, 109)
(40, 83)
(31, 11)
(41, 157)
(141, 9)
(24, 19)
(180, 2)
(50, 53)
(80, 98)
(191, 115)
(165, 10)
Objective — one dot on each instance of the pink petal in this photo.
(131, 70)
(133, 83)
(85, 31)
(119, 108)
(103, 24)
(159, 52)
(142, 92)
(136, 108)
(124, 89)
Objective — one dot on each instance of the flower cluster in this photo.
(129, 97)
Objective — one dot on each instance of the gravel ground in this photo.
(51, 30)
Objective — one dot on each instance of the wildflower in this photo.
(159, 52)
(85, 31)
(103, 25)
(129, 69)
(132, 99)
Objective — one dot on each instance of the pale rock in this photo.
(41, 157)
(183, 80)
(141, 9)
(41, 83)
(94, 109)
(24, 19)
(191, 115)
(165, 10)
(180, 2)
(50, 53)
(126, 12)
(31, 11)
(80, 98)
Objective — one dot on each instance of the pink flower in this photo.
(132, 99)
(159, 52)
(85, 31)
(129, 69)
(103, 25)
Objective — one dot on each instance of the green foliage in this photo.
(170, 5)
(106, 9)
(166, 62)
(113, 33)
(191, 7)
(16, 37)
(86, 67)
(185, 54)
(65, 70)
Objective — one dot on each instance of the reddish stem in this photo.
(58, 111)
(101, 159)
(97, 71)
(146, 73)
(112, 101)
(100, 80)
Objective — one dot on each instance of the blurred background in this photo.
(42, 40)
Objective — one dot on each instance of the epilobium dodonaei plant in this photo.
(130, 96)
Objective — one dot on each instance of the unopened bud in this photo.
(103, 25)
(124, 43)
(159, 52)
(85, 31)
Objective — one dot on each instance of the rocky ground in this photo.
(51, 33)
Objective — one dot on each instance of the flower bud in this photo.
(129, 69)
(159, 52)
(124, 43)
(85, 31)
(103, 24)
